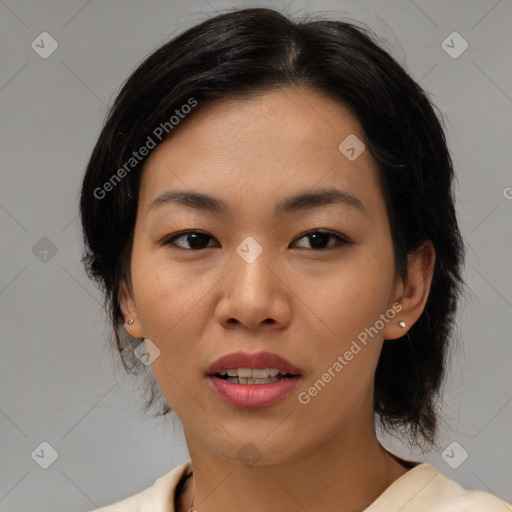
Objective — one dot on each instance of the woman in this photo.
(227, 157)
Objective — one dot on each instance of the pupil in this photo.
(196, 240)
(319, 239)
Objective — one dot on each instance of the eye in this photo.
(197, 240)
(320, 237)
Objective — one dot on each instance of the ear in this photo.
(129, 310)
(412, 294)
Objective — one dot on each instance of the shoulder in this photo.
(159, 497)
(424, 488)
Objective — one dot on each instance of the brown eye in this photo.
(197, 240)
(318, 239)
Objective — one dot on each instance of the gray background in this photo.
(60, 384)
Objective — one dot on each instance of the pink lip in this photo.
(252, 395)
(247, 360)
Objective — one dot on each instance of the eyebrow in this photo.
(301, 201)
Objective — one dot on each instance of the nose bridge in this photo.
(251, 261)
(253, 294)
(250, 295)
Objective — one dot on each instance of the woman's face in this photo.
(253, 281)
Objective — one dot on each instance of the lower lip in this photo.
(252, 395)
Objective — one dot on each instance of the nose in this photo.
(256, 294)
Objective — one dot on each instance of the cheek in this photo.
(349, 297)
(169, 309)
(345, 346)
(165, 294)
(174, 299)
(344, 316)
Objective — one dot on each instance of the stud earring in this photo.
(130, 322)
(401, 324)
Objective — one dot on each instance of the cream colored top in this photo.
(422, 489)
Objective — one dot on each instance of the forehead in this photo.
(287, 139)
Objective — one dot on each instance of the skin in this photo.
(198, 305)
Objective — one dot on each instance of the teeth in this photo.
(241, 380)
(253, 373)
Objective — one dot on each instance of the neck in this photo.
(352, 469)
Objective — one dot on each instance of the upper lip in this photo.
(248, 360)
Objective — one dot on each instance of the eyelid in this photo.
(168, 239)
(342, 239)
(324, 231)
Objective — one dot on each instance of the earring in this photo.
(130, 322)
(401, 324)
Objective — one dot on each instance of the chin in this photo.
(256, 450)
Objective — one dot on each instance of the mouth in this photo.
(249, 380)
(252, 376)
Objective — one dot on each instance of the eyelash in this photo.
(340, 240)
